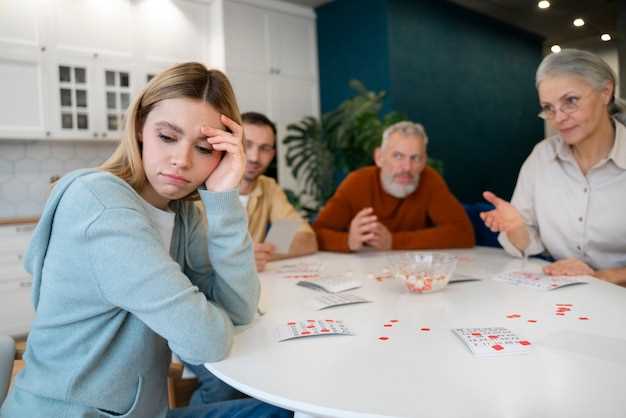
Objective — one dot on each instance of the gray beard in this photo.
(397, 190)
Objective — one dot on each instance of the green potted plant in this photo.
(320, 153)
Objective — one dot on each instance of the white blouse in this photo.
(570, 214)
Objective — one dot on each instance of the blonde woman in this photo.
(570, 197)
(125, 268)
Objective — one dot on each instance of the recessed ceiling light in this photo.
(544, 4)
(605, 37)
(555, 49)
(579, 22)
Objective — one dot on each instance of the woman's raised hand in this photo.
(504, 218)
(228, 173)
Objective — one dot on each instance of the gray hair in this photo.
(586, 65)
(406, 128)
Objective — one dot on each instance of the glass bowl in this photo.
(423, 272)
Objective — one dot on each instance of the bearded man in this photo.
(400, 203)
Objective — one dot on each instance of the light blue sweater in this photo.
(111, 302)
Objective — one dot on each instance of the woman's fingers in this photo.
(217, 136)
(230, 127)
(226, 146)
(493, 199)
(491, 220)
(568, 267)
(234, 127)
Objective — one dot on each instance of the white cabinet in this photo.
(271, 60)
(253, 91)
(116, 79)
(70, 68)
(246, 38)
(89, 94)
(91, 67)
(16, 311)
(89, 26)
(71, 106)
(170, 31)
(293, 47)
(89, 56)
(270, 41)
(22, 97)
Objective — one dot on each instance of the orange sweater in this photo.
(430, 217)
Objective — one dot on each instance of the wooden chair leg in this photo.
(174, 374)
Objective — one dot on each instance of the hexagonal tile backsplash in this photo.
(26, 168)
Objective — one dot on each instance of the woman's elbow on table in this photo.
(247, 317)
(242, 307)
(209, 341)
(207, 353)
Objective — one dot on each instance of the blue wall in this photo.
(468, 78)
(352, 41)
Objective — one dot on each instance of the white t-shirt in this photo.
(244, 200)
(163, 221)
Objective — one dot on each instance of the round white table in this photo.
(577, 368)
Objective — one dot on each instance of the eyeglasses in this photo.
(569, 105)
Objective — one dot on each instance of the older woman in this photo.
(570, 197)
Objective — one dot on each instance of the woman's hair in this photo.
(189, 80)
(586, 65)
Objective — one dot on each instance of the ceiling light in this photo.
(605, 37)
(579, 22)
(543, 4)
(555, 48)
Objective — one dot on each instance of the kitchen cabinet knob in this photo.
(104, 134)
(95, 134)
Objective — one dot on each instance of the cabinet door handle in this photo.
(95, 134)
(104, 134)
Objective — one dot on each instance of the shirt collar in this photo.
(563, 151)
(257, 190)
(618, 152)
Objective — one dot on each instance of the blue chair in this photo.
(483, 235)
(7, 355)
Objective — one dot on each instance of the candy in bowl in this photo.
(423, 272)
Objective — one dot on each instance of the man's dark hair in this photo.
(255, 118)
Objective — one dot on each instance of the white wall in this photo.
(26, 168)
